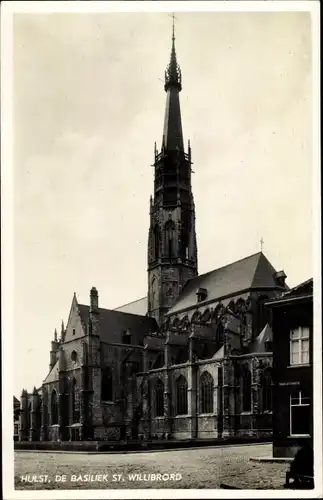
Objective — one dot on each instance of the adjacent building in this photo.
(292, 324)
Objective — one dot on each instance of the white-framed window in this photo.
(299, 414)
(300, 346)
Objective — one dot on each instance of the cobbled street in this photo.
(198, 468)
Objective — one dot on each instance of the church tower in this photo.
(172, 249)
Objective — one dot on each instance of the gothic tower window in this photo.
(156, 242)
(246, 389)
(267, 390)
(206, 393)
(159, 398)
(169, 239)
(106, 385)
(181, 395)
(54, 407)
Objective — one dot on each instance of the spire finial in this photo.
(261, 244)
(173, 36)
(173, 75)
(55, 335)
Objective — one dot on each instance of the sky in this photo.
(88, 106)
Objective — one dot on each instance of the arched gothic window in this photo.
(159, 398)
(181, 396)
(106, 385)
(156, 242)
(246, 389)
(169, 239)
(267, 390)
(206, 393)
(54, 407)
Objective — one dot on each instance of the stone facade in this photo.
(216, 344)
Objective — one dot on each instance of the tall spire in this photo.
(173, 133)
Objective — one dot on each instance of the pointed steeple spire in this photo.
(173, 133)
(55, 335)
(173, 76)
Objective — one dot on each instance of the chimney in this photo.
(280, 278)
(94, 300)
(94, 316)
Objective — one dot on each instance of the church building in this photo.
(191, 360)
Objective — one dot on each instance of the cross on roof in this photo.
(173, 17)
(261, 243)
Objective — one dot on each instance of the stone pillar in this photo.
(62, 396)
(192, 389)
(86, 429)
(23, 432)
(168, 414)
(94, 366)
(255, 394)
(227, 404)
(146, 398)
(219, 401)
(44, 415)
(34, 431)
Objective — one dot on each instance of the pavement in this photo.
(199, 468)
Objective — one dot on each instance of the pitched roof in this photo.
(303, 288)
(254, 271)
(114, 323)
(139, 306)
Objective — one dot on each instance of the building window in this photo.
(159, 398)
(54, 408)
(156, 242)
(300, 416)
(106, 385)
(73, 331)
(169, 239)
(299, 346)
(181, 396)
(267, 390)
(206, 393)
(74, 356)
(126, 337)
(201, 294)
(246, 389)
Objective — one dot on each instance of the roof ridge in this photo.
(131, 302)
(227, 265)
(117, 312)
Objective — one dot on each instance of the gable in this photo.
(75, 328)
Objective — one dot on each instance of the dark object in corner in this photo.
(301, 473)
(227, 487)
